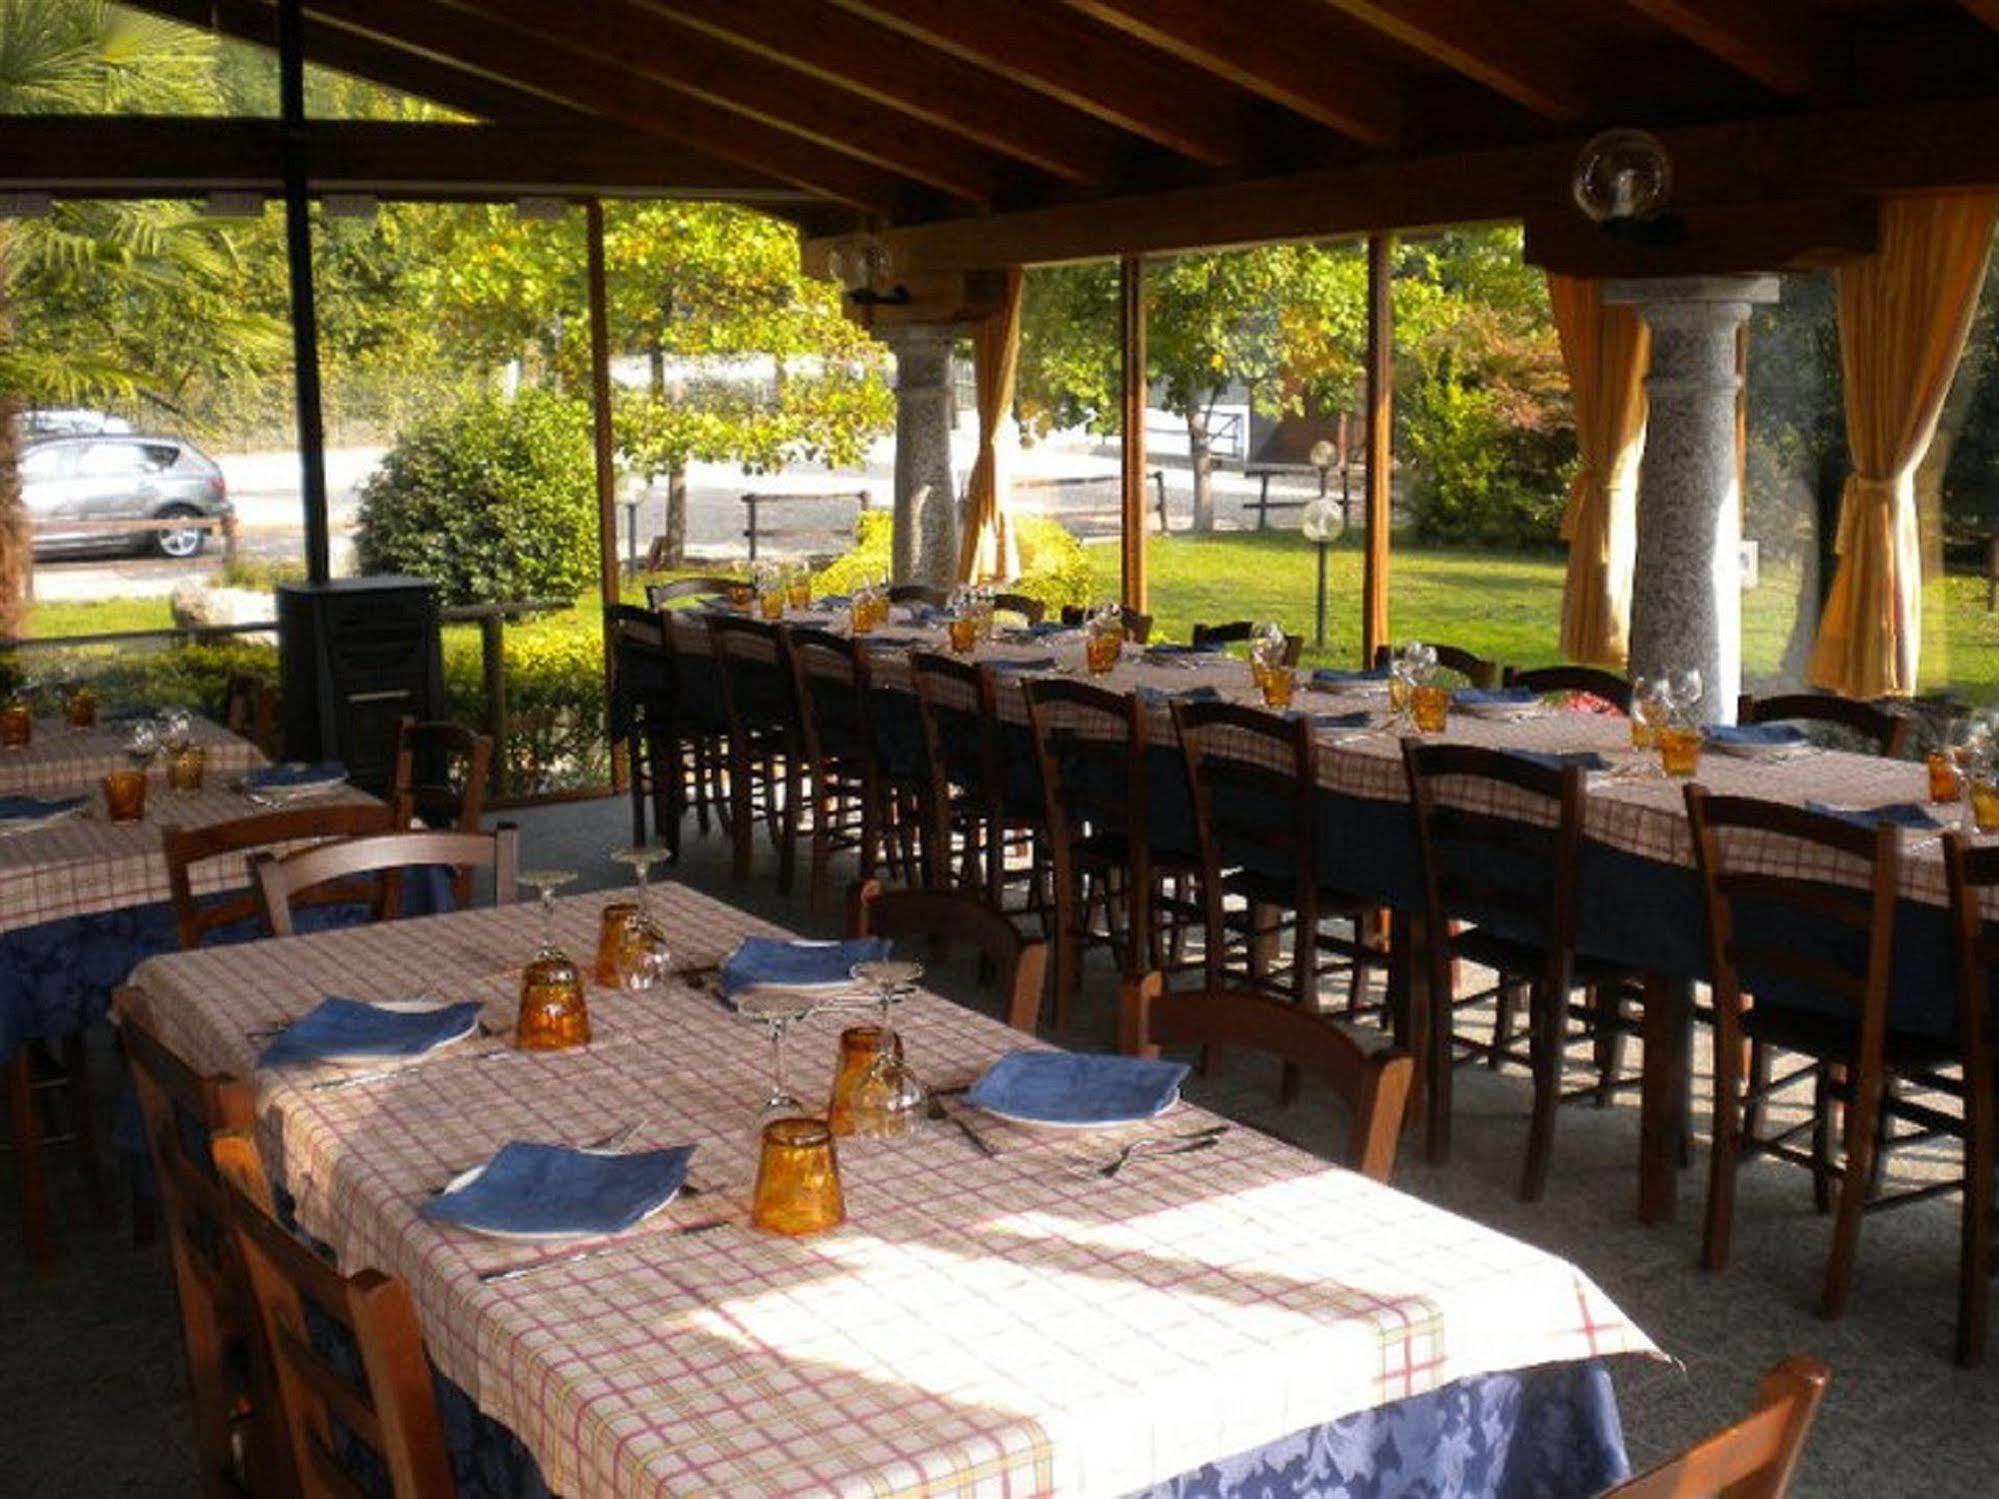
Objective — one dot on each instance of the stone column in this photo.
(926, 494)
(1686, 588)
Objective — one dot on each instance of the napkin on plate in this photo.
(1037, 663)
(1071, 1087)
(1753, 738)
(767, 963)
(354, 1028)
(1042, 631)
(294, 774)
(1901, 814)
(1359, 719)
(554, 1189)
(925, 614)
(1494, 697)
(891, 642)
(36, 808)
(1174, 648)
(1332, 676)
(831, 601)
(1159, 697)
(1563, 759)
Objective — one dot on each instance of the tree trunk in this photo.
(1201, 459)
(16, 535)
(675, 529)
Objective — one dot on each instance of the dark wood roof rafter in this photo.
(1497, 43)
(1985, 10)
(1769, 41)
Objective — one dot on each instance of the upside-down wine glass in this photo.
(553, 1015)
(645, 959)
(775, 1011)
(891, 1097)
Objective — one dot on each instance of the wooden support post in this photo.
(1131, 526)
(493, 668)
(1380, 448)
(607, 462)
(305, 317)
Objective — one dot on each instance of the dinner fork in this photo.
(1155, 1145)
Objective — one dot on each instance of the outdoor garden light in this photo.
(1623, 177)
(1322, 520)
(861, 264)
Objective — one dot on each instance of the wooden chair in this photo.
(1374, 1085)
(282, 879)
(1973, 874)
(1817, 957)
(188, 847)
(440, 780)
(250, 710)
(1884, 732)
(969, 806)
(239, 1435)
(918, 593)
(760, 707)
(1030, 609)
(1752, 1459)
(1473, 667)
(1137, 626)
(834, 737)
(1237, 631)
(38, 1073)
(1593, 680)
(661, 595)
(1499, 890)
(640, 715)
(1019, 964)
(392, 1409)
(1091, 746)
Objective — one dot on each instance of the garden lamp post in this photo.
(1320, 521)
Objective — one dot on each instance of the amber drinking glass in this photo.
(1277, 683)
(1945, 783)
(1985, 804)
(772, 601)
(851, 1111)
(553, 1015)
(964, 633)
(798, 1179)
(17, 723)
(1431, 706)
(1679, 749)
(79, 708)
(125, 795)
(741, 595)
(1102, 648)
(186, 767)
(798, 591)
(618, 931)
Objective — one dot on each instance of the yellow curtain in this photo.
(987, 549)
(1904, 313)
(1606, 351)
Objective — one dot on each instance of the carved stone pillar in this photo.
(926, 493)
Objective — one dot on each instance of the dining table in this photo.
(995, 1316)
(58, 757)
(1639, 899)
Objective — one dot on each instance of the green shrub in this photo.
(1477, 476)
(555, 699)
(1054, 567)
(494, 501)
(868, 560)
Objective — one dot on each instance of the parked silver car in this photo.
(73, 486)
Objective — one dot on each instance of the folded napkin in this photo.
(891, 642)
(1754, 738)
(1043, 631)
(294, 774)
(1494, 697)
(1174, 648)
(1356, 720)
(553, 1189)
(35, 808)
(1563, 759)
(1067, 1087)
(352, 1028)
(831, 601)
(1035, 663)
(1901, 814)
(925, 614)
(767, 963)
(1332, 676)
(1159, 697)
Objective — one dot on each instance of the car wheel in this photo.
(183, 543)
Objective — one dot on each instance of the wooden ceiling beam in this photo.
(1769, 41)
(1497, 43)
(562, 74)
(1985, 10)
(1280, 57)
(1039, 45)
(902, 74)
(628, 40)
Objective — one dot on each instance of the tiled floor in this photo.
(91, 1368)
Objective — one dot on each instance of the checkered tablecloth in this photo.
(979, 1326)
(59, 758)
(87, 864)
(1631, 808)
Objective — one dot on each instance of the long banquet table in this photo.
(1639, 901)
(979, 1326)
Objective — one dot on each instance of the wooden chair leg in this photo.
(784, 824)
(1726, 1151)
(1974, 1269)
(1438, 1002)
(1367, 935)
(1759, 1080)
(1822, 1173)
(1506, 1005)
(1546, 1017)
(29, 1167)
(1862, 1117)
(741, 827)
(83, 1125)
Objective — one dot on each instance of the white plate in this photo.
(1171, 1104)
(1795, 750)
(401, 1007)
(465, 1179)
(15, 825)
(1502, 710)
(297, 792)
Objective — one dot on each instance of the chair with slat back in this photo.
(834, 740)
(1499, 890)
(760, 706)
(392, 1407)
(1815, 954)
(1091, 746)
(187, 847)
(250, 710)
(968, 805)
(1236, 631)
(1137, 625)
(918, 593)
(1028, 608)
(1473, 667)
(661, 595)
(1592, 681)
(439, 779)
(1885, 733)
(641, 714)
(1373, 1084)
(1019, 964)
(283, 879)
(1753, 1458)
(1973, 876)
(239, 1433)
(1254, 781)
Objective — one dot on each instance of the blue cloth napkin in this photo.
(926, 614)
(891, 642)
(767, 963)
(1174, 648)
(1563, 759)
(1356, 720)
(1036, 663)
(1901, 814)
(1510, 697)
(297, 773)
(1753, 735)
(1159, 697)
(1332, 676)
(1043, 630)
(1070, 1087)
(31, 808)
(831, 601)
(553, 1189)
(350, 1027)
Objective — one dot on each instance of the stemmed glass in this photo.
(553, 1014)
(1684, 690)
(176, 728)
(891, 1098)
(647, 959)
(775, 1012)
(142, 744)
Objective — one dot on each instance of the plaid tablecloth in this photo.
(979, 1326)
(59, 758)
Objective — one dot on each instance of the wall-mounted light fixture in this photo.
(862, 265)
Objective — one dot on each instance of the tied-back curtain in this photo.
(1606, 350)
(988, 550)
(1904, 314)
